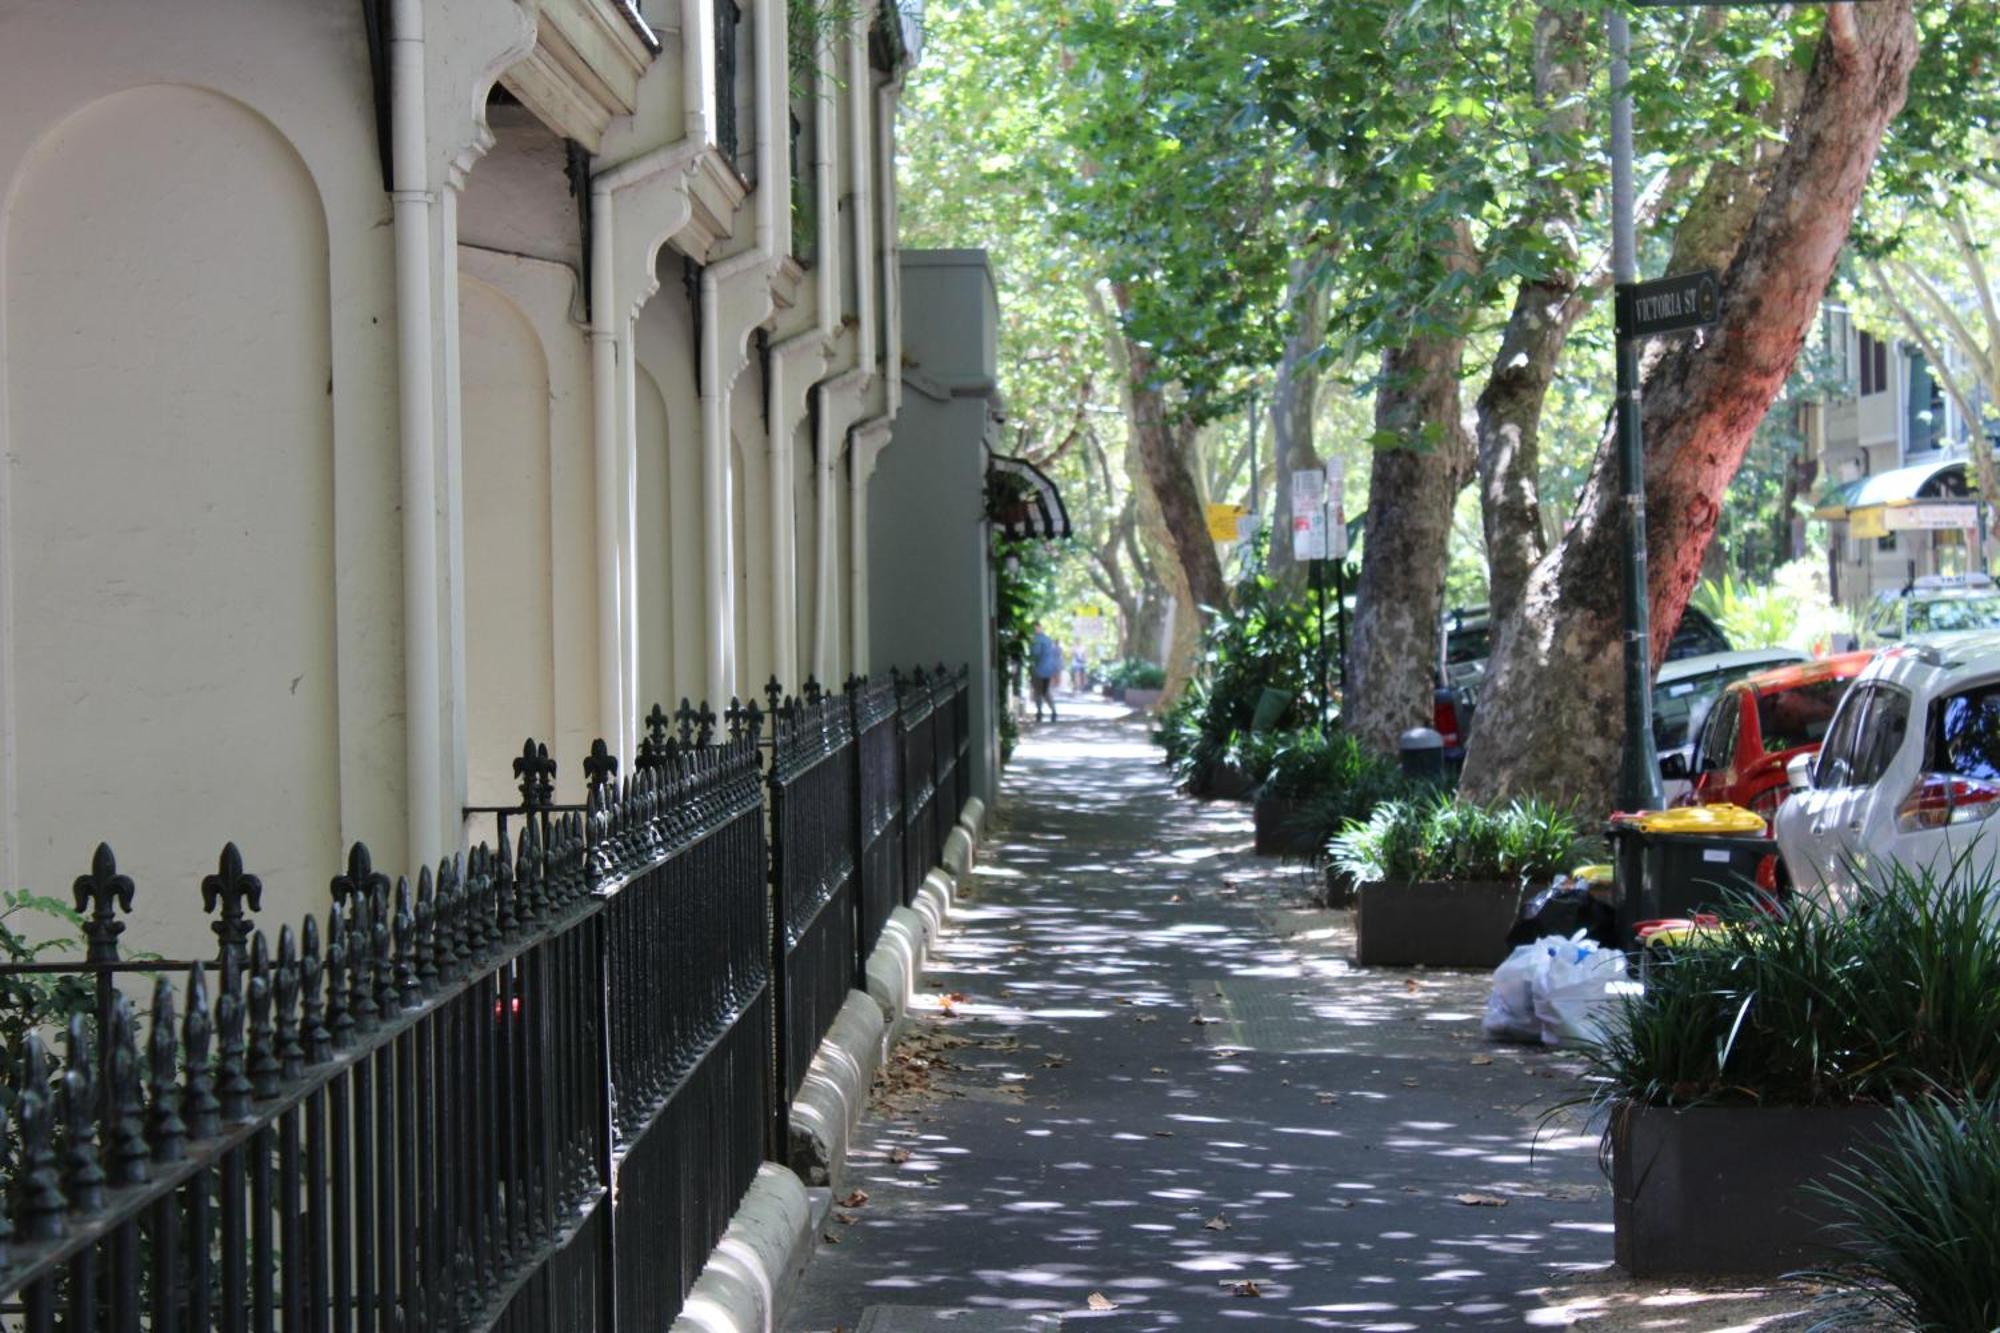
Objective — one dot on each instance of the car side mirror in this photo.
(1674, 766)
(1799, 772)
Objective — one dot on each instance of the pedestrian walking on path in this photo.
(1147, 1087)
(1044, 664)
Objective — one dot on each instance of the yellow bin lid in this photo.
(1595, 874)
(1698, 819)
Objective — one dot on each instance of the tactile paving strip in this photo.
(951, 1319)
(1262, 1014)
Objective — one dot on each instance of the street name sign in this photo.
(1671, 305)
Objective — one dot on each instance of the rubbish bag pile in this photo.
(1556, 990)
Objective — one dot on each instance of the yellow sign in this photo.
(1222, 521)
(1863, 524)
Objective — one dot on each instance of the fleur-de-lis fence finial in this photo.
(535, 772)
(105, 893)
(360, 879)
(600, 765)
(226, 891)
(653, 749)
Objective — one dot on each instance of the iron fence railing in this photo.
(812, 779)
(915, 713)
(878, 806)
(526, 1092)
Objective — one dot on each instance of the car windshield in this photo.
(1467, 645)
(1965, 734)
(1949, 614)
(1680, 705)
(1788, 719)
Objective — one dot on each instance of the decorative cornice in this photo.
(584, 70)
(717, 195)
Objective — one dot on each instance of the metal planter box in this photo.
(1721, 1190)
(1281, 829)
(1434, 924)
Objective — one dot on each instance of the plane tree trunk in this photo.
(1551, 719)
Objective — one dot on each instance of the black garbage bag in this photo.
(1563, 908)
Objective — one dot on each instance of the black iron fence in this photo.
(915, 718)
(879, 809)
(527, 1092)
(814, 918)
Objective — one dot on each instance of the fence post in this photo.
(857, 827)
(779, 929)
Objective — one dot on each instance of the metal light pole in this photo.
(1639, 770)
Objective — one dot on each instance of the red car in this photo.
(1758, 724)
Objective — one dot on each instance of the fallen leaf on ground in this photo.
(1216, 1223)
(1409, 1083)
(855, 1199)
(1202, 1020)
(1480, 1200)
(952, 997)
(1482, 1059)
(845, 1219)
(899, 1155)
(1156, 1069)
(1410, 984)
(1163, 1133)
(1013, 1120)
(1246, 1289)
(830, 1238)
(1099, 1301)
(1149, 1018)
(1328, 1099)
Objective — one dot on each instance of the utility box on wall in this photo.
(930, 577)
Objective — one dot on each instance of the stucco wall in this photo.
(929, 582)
(202, 620)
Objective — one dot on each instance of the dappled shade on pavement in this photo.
(1140, 1079)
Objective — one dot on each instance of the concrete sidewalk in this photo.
(1147, 1089)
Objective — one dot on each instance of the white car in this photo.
(1927, 607)
(1909, 773)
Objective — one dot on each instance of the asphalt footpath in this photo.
(1148, 1089)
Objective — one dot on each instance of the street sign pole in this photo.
(1639, 769)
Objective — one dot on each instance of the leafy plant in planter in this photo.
(1315, 783)
(1919, 1216)
(1444, 838)
(1440, 879)
(1762, 1055)
(1265, 640)
(1895, 995)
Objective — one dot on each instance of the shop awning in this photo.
(1023, 502)
(1899, 486)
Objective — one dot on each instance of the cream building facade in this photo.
(384, 382)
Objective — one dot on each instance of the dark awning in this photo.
(1022, 500)
(1942, 480)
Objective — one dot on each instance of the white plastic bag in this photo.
(1577, 991)
(1510, 1008)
